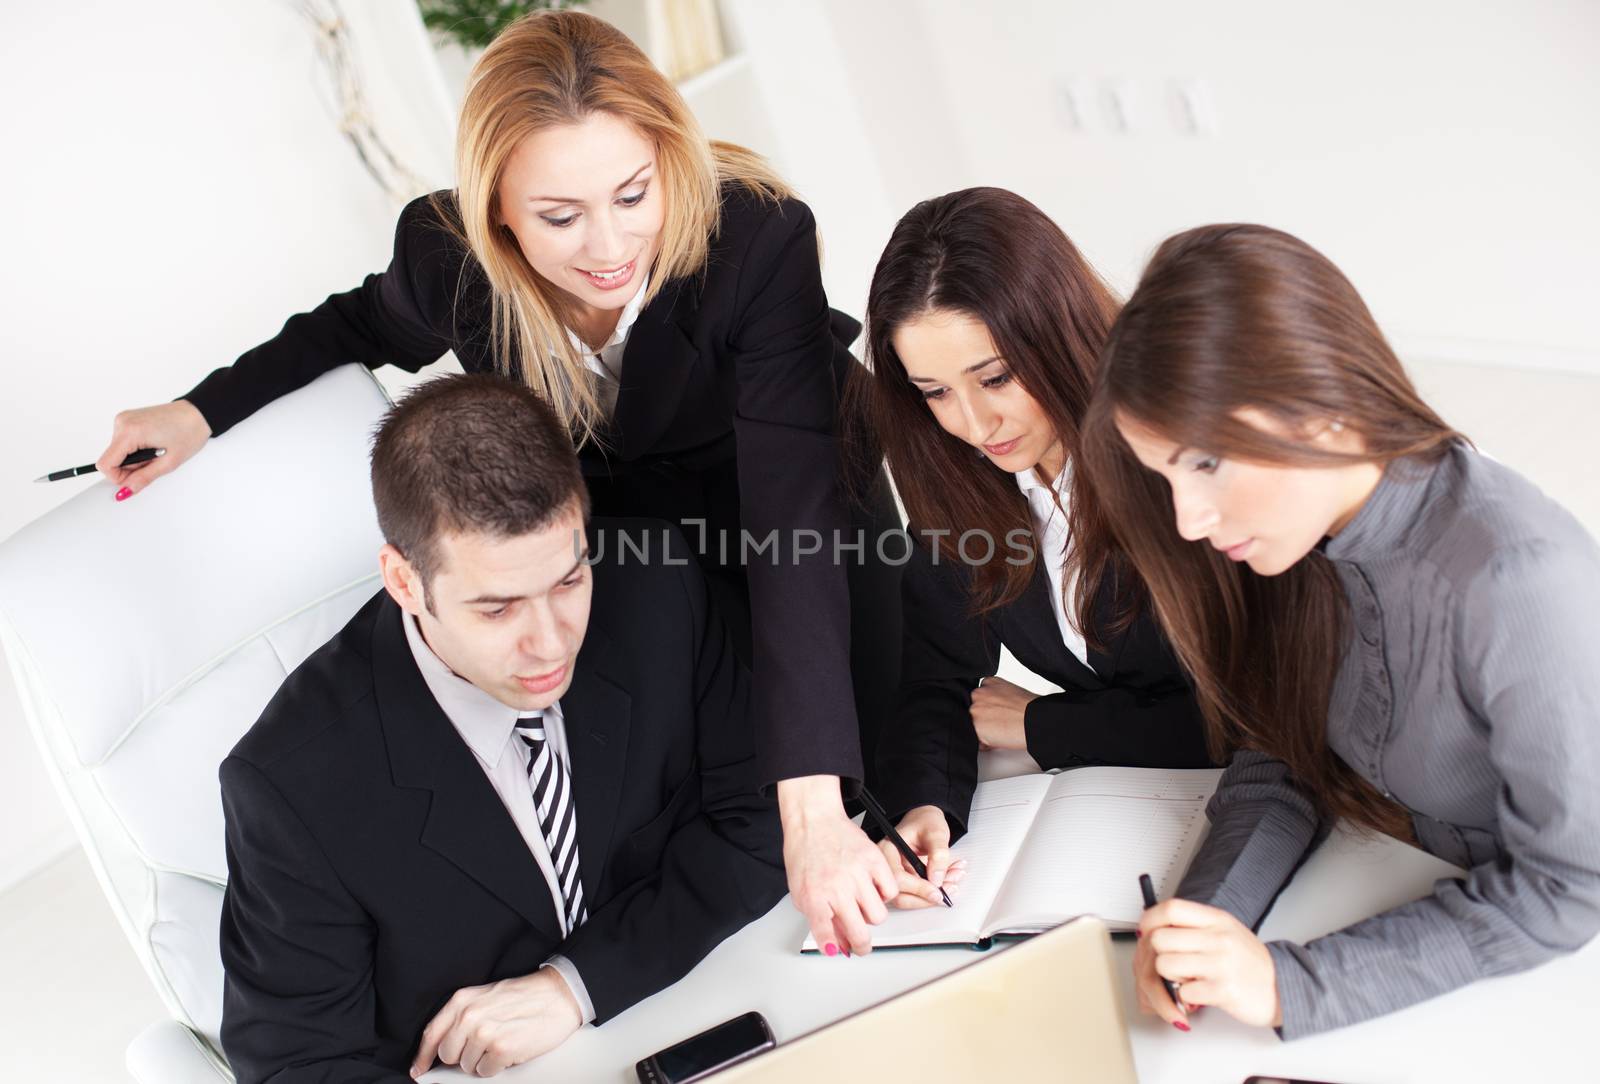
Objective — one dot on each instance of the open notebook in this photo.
(1042, 849)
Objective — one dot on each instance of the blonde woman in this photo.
(663, 294)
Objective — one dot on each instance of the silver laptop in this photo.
(1045, 1009)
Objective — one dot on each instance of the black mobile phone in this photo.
(1280, 1080)
(737, 1040)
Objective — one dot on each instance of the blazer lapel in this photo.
(656, 363)
(1037, 616)
(596, 712)
(467, 823)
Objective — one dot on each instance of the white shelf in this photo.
(707, 81)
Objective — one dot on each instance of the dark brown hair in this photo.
(470, 453)
(991, 255)
(1229, 317)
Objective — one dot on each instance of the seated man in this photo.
(513, 795)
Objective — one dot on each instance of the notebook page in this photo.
(1099, 828)
(1001, 812)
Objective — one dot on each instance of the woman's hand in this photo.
(927, 833)
(1211, 957)
(178, 427)
(998, 709)
(837, 878)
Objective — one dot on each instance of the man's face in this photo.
(507, 614)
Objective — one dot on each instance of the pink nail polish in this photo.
(1180, 1025)
(124, 493)
(830, 949)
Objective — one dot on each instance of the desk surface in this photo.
(1529, 1027)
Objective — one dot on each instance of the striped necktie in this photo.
(552, 796)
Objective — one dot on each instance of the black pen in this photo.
(875, 811)
(1149, 890)
(143, 455)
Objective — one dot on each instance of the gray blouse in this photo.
(1469, 692)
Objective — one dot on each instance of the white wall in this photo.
(1445, 153)
(175, 186)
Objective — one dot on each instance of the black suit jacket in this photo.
(1134, 708)
(374, 871)
(726, 414)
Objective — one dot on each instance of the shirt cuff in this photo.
(569, 974)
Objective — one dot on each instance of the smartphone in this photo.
(737, 1040)
(1280, 1080)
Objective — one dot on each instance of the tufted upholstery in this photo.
(146, 637)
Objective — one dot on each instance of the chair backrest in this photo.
(146, 637)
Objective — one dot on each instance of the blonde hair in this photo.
(558, 67)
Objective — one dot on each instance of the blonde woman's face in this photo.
(586, 207)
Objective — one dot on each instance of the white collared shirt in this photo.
(1050, 531)
(488, 728)
(606, 363)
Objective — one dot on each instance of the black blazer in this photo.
(1135, 708)
(726, 413)
(373, 870)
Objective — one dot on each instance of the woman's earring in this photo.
(1337, 426)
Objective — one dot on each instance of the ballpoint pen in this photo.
(143, 455)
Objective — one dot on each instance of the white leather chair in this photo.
(146, 637)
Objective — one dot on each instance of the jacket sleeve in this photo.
(720, 870)
(1262, 827)
(404, 316)
(928, 753)
(1528, 668)
(792, 505)
(1155, 727)
(298, 1004)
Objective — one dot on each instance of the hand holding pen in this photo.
(177, 429)
(1148, 890)
(922, 831)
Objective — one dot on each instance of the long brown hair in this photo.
(991, 255)
(1229, 317)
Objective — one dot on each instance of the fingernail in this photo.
(830, 949)
(124, 493)
(1180, 1025)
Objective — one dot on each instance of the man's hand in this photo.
(927, 833)
(998, 708)
(484, 1029)
(1212, 957)
(837, 878)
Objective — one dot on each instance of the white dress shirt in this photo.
(606, 363)
(1048, 504)
(488, 728)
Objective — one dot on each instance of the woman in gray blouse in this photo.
(1382, 625)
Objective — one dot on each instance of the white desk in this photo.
(1539, 1026)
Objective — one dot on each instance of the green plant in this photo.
(474, 23)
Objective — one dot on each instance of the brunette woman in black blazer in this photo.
(663, 293)
(983, 326)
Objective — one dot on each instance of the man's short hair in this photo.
(470, 453)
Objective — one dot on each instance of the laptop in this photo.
(1044, 1009)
